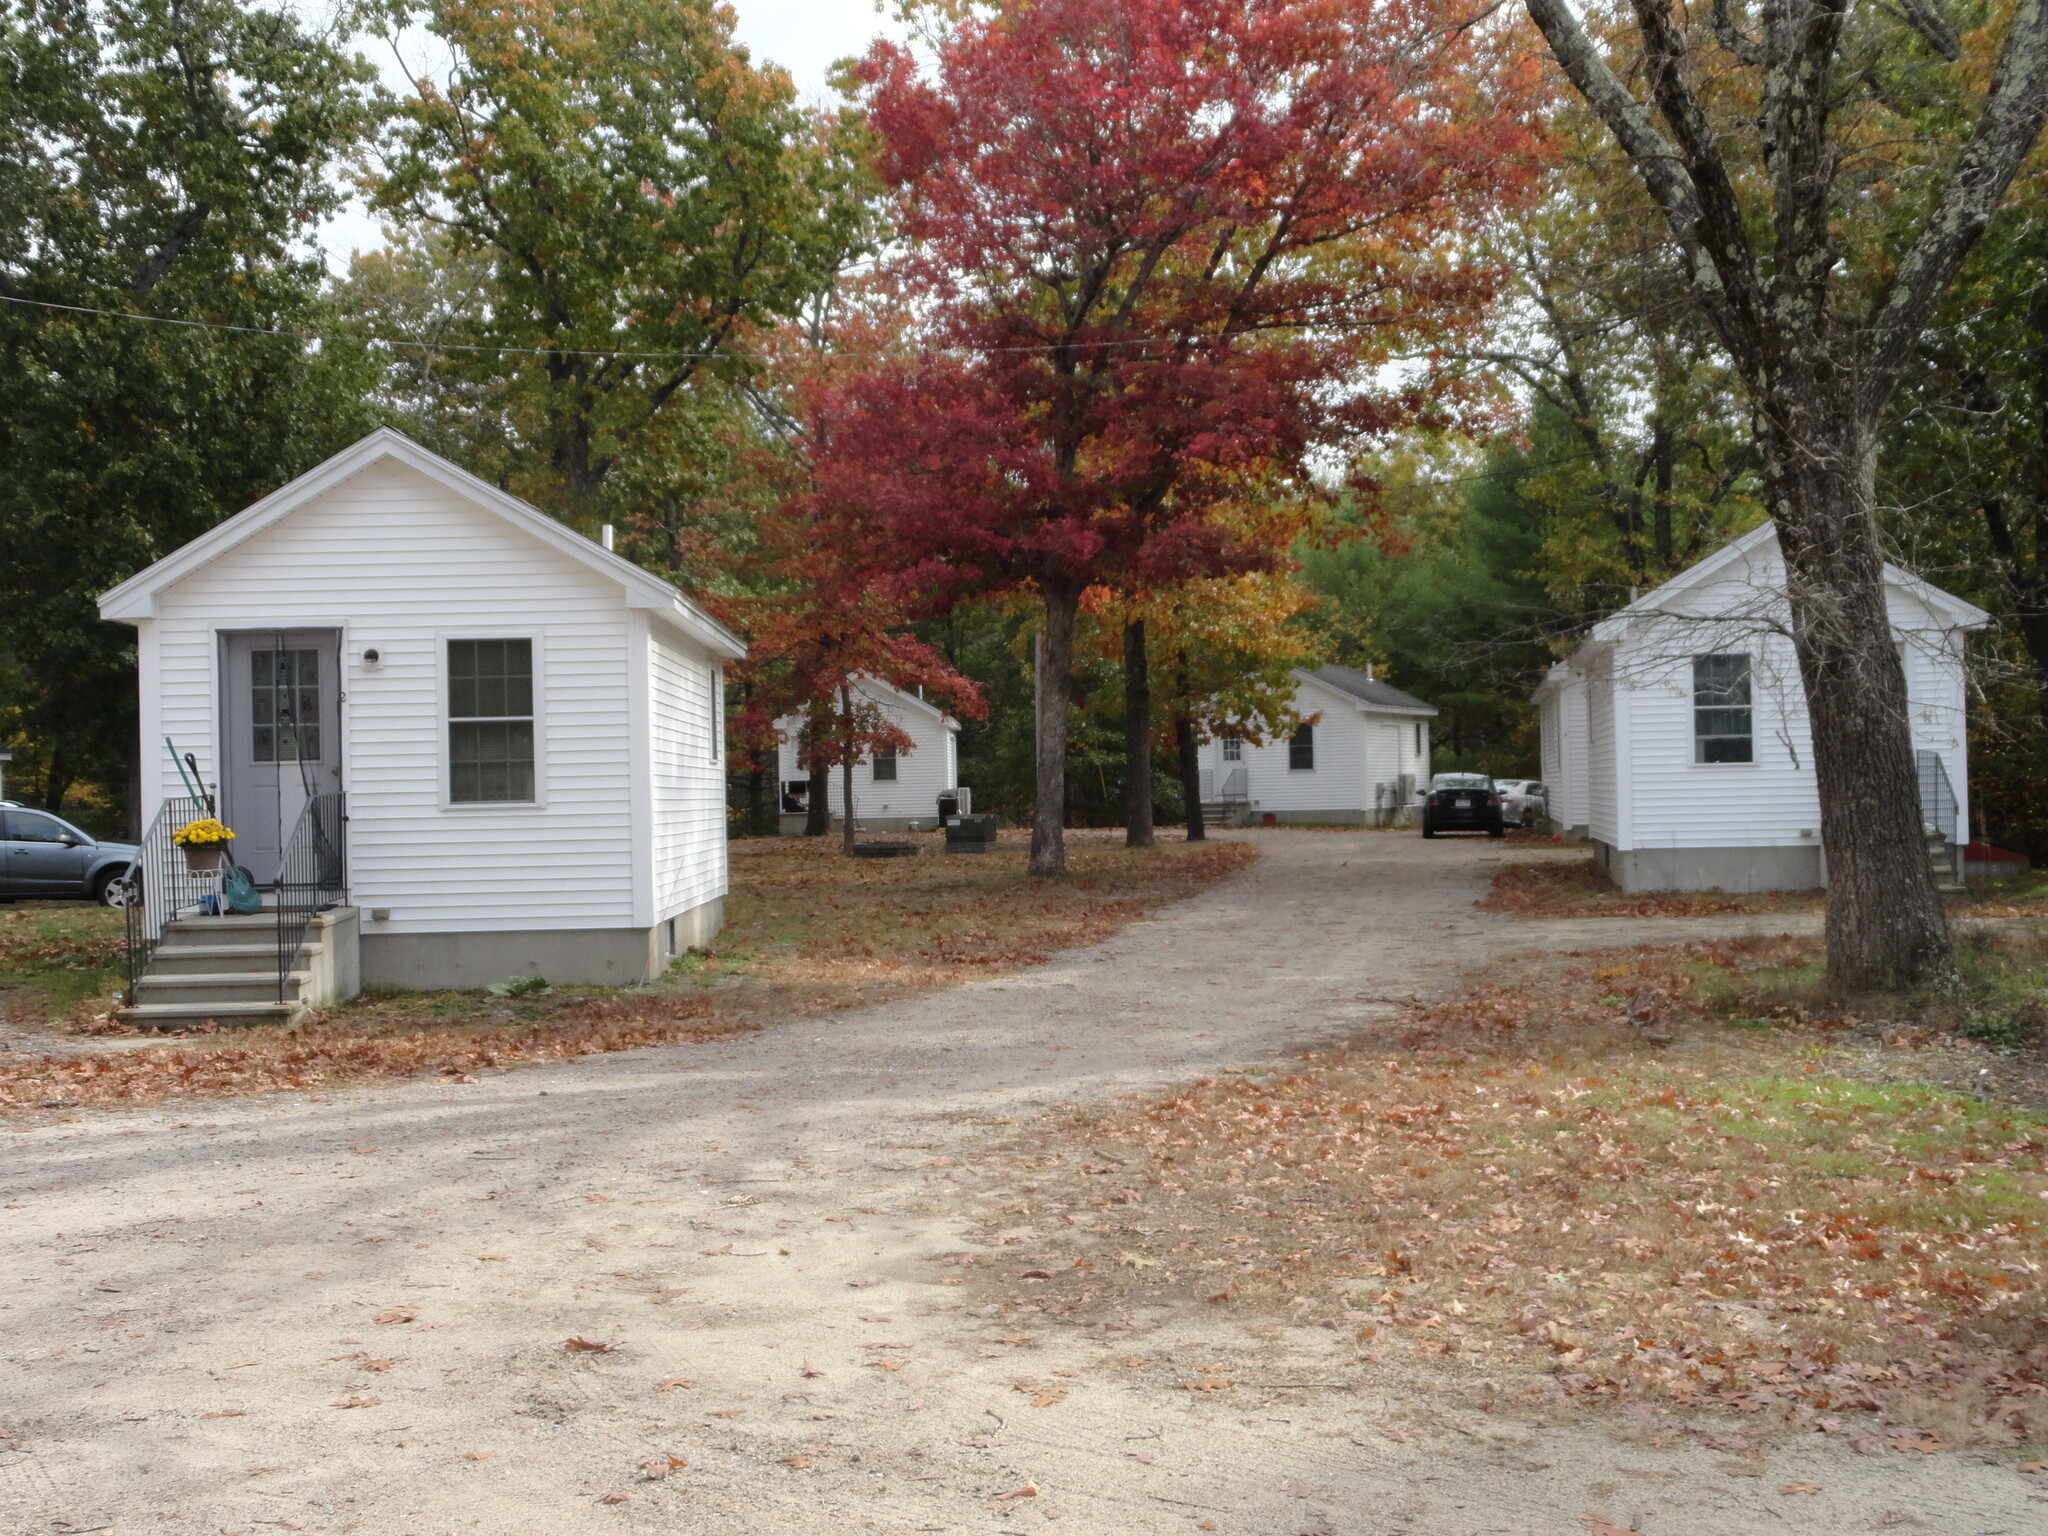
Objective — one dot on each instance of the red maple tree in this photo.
(819, 597)
(1163, 250)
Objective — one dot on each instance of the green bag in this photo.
(239, 886)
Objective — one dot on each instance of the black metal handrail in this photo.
(311, 877)
(161, 885)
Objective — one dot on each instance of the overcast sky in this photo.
(803, 36)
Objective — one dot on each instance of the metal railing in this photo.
(1235, 786)
(311, 876)
(1938, 804)
(161, 885)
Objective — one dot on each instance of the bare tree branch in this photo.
(2011, 121)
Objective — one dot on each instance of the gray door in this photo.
(283, 736)
(40, 855)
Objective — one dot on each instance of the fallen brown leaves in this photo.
(333, 1050)
(1523, 1187)
(1581, 888)
(808, 931)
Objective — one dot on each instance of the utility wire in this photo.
(456, 346)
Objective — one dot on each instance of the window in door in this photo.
(490, 721)
(1721, 715)
(1233, 749)
(1301, 749)
(284, 706)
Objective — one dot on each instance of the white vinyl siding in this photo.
(1356, 748)
(1644, 785)
(924, 771)
(1603, 811)
(398, 562)
(688, 782)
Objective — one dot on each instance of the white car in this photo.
(1523, 802)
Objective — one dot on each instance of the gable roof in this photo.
(1761, 543)
(877, 688)
(1369, 691)
(136, 597)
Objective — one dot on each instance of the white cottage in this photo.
(891, 790)
(1358, 759)
(1676, 737)
(526, 728)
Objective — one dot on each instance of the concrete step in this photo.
(202, 988)
(188, 1015)
(184, 959)
(265, 922)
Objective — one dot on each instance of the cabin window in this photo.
(1233, 749)
(284, 706)
(1721, 721)
(490, 721)
(717, 714)
(1418, 738)
(1301, 749)
(885, 766)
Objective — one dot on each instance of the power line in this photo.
(456, 346)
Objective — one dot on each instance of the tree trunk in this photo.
(1190, 775)
(1056, 660)
(846, 771)
(1137, 739)
(818, 799)
(1885, 926)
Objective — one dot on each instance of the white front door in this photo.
(281, 691)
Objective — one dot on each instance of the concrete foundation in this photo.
(1313, 818)
(616, 957)
(1733, 870)
(332, 957)
(793, 825)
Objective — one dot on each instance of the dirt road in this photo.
(353, 1314)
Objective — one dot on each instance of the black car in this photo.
(1462, 802)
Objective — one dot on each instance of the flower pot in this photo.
(204, 858)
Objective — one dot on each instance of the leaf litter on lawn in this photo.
(1515, 1184)
(808, 932)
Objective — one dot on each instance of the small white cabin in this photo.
(1676, 738)
(527, 728)
(889, 791)
(1359, 758)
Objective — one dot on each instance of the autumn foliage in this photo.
(1164, 251)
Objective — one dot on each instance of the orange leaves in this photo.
(392, 1316)
(578, 1345)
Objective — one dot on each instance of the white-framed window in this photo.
(1722, 716)
(885, 766)
(717, 713)
(1233, 749)
(490, 722)
(1418, 738)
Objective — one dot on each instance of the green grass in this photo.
(56, 955)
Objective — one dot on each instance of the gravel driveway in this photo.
(354, 1313)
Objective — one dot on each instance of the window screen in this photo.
(1301, 749)
(885, 766)
(1721, 724)
(490, 721)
